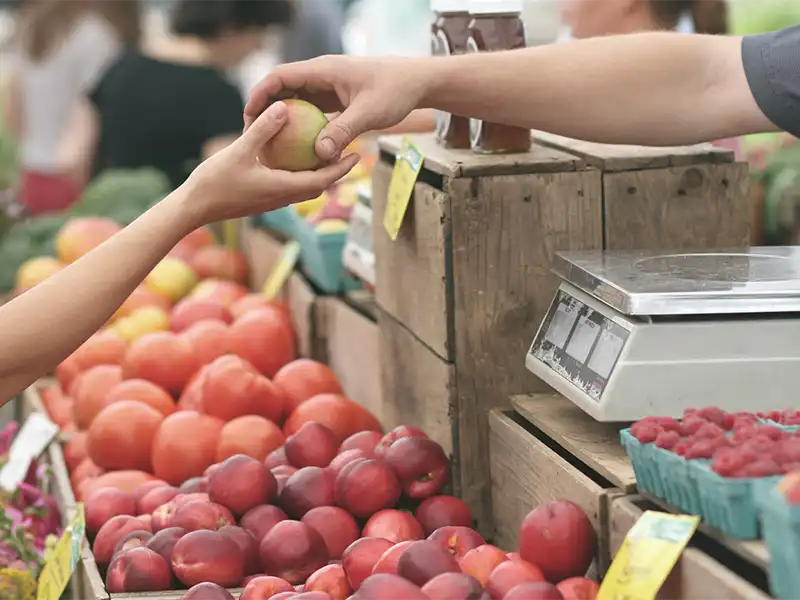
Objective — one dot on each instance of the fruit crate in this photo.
(730, 505)
(321, 257)
(781, 525)
(280, 219)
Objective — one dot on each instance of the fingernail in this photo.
(276, 111)
(326, 148)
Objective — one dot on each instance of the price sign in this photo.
(404, 176)
(231, 233)
(36, 434)
(281, 272)
(647, 555)
(358, 256)
(60, 565)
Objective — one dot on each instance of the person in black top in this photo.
(171, 105)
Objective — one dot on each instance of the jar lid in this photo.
(450, 6)
(495, 7)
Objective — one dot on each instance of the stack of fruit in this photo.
(715, 464)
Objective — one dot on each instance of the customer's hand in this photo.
(233, 183)
(371, 93)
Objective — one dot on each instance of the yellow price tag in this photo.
(281, 272)
(647, 555)
(406, 169)
(230, 231)
(60, 565)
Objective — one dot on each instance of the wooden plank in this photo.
(594, 443)
(696, 576)
(505, 231)
(412, 273)
(677, 208)
(263, 250)
(526, 473)
(87, 575)
(353, 353)
(308, 318)
(465, 163)
(419, 387)
(364, 301)
(613, 157)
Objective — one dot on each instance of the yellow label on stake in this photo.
(281, 272)
(230, 231)
(406, 169)
(60, 565)
(647, 555)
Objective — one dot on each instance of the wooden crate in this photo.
(667, 198)
(529, 469)
(263, 249)
(699, 574)
(307, 310)
(468, 281)
(352, 344)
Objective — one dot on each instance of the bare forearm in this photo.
(47, 323)
(648, 89)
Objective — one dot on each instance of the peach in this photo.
(276, 458)
(539, 590)
(105, 503)
(458, 540)
(162, 515)
(366, 486)
(390, 587)
(241, 483)
(330, 579)
(395, 434)
(140, 491)
(201, 515)
(424, 560)
(315, 595)
(481, 561)
(308, 488)
(189, 311)
(292, 551)
(185, 498)
(252, 435)
(146, 521)
(194, 485)
(232, 387)
(155, 498)
(360, 557)
(387, 563)
(365, 441)
(509, 575)
(264, 587)
(292, 148)
(421, 466)
(207, 556)
(134, 539)
(345, 458)
(393, 525)
(314, 445)
(578, 588)
(558, 538)
(110, 534)
(80, 235)
(441, 511)
(259, 520)
(209, 338)
(455, 586)
(284, 595)
(247, 544)
(336, 526)
(220, 290)
(163, 542)
(138, 570)
(207, 591)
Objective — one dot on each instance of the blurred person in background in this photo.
(60, 49)
(172, 104)
(316, 30)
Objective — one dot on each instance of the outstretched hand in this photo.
(233, 183)
(370, 94)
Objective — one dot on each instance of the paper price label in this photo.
(647, 555)
(35, 435)
(61, 563)
(358, 256)
(281, 272)
(230, 231)
(401, 187)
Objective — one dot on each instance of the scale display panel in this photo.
(579, 343)
(358, 256)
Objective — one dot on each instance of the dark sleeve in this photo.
(224, 112)
(772, 66)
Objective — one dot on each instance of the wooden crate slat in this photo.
(594, 443)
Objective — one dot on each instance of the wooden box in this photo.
(699, 574)
(351, 349)
(262, 249)
(469, 279)
(307, 310)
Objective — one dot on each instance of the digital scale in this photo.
(632, 334)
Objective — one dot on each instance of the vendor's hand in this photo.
(371, 93)
(233, 183)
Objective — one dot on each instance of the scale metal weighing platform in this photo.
(632, 334)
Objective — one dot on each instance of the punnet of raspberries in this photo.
(739, 445)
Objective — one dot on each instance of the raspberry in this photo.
(691, 425)
(745, 432)
(710, 430)
(688, 412)
(713, 414)
(727, 461)
(786, 451)
(646, 433)
(790, 467)
(667, 439)
(772, 432)
(682, 447)
(764, 467)
(702, 448)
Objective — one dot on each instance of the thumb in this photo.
(341, 131)
(264, 127)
